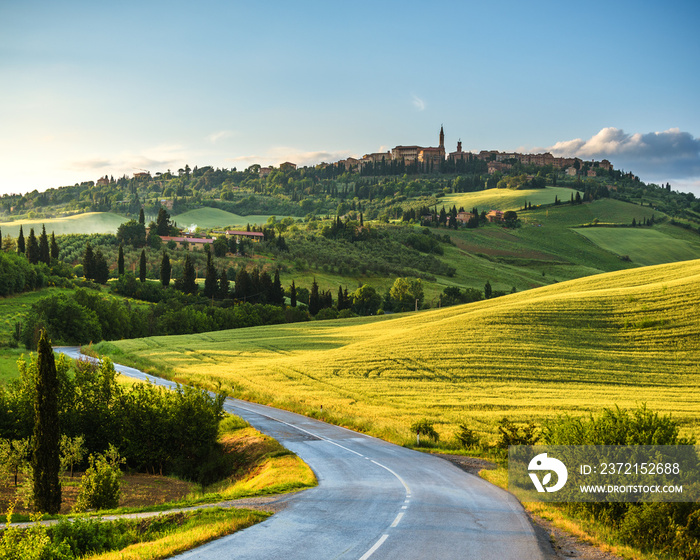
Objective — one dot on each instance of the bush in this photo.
(667, 528)
(31, 544)
(83, 537)
(424, 427)
(100, 487)
(327, 313)
(466, 437)
(65, 320)
(512, 434)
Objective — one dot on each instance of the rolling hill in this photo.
(217, 218)
(89, 222)
(621, 338)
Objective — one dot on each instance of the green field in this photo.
(506, 199)
(643, 246)
(90, 222)
(216, 218)
(621, 338)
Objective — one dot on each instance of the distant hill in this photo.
(216, 218)
(90, 222)
(621, 338)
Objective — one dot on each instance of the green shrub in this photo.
(100, 487)
(424, 427)
(512, 434)
(466, 437)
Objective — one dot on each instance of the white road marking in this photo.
(397, 520)
(372, 550)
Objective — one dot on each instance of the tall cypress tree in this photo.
(293, 295)
(165, 270)
(189, 279)
(277, 291)
(211, 280)
(341, 299)
(223, 285)
(44, 251)
(120, 260)
(89, 263)
(32, 247)
(45, 453)
(20, 241)
(54, 247)
(314, 299)
(142, 266)
(142, 217)
(243, 288)
(101, 268)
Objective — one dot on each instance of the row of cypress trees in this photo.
(36, 249)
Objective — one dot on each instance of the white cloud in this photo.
(418, 103)
(221, 135)
(656, 155)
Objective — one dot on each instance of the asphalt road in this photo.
(374, 500)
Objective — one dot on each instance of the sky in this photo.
(89, 88)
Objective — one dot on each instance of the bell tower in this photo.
(442, 138)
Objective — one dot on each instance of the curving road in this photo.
(374, 500)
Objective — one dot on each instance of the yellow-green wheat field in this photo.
(622, 338)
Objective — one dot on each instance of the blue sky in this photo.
(93, 88)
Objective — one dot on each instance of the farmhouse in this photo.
(495, 216)
(197, 243)
(252, 235)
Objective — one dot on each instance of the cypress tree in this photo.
(223, 285)
(101, 268)
(165, 270)
(32, 248)
(89, 263)
(162, 222)
(142, 218)
(45, 452)
(277, 291)
(120, 260)
(293, 295)
(44, 251)
(211, 280)
(243, 287)
(189, 281)
(54, 247)
(142, 266)
(314, 299)
(20, 241)
(341, 299)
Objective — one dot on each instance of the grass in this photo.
(644, 246)
(260, 467)
(217, 218)
(90, 222)
(588, 530)
(571, 348)
(505, 199)
(197, 530)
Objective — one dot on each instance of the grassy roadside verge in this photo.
(587, 530)
(260, 466)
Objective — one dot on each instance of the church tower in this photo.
(442, 138)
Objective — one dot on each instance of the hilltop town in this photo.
(434, 158)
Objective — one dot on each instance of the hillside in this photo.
(620, 338)
(89, 222)
(217, 218)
